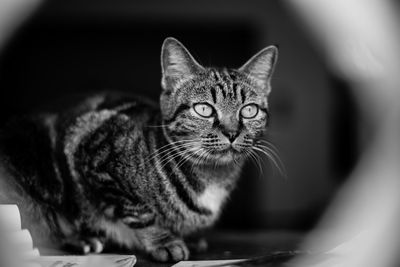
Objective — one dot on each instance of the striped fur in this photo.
(120, 170)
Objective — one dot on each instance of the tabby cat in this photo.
(119, 170)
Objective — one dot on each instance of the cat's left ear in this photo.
(261, 66)
(177, 64)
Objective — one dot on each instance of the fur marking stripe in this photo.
(242, 95)
(221, 88)
(179, 110)
(234, 89)
(83, 126)
(213, 95)
(181, 190)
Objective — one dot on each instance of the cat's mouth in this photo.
(227, 154)
(221, 153)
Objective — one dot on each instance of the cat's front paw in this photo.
(84, 245)
(172, 251)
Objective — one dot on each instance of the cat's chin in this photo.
(225, 157)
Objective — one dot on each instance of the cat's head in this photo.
(215, 114)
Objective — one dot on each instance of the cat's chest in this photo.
(212, 198)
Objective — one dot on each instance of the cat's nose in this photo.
(231, 135)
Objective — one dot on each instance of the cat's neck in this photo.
(224, 174)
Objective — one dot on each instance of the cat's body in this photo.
(123, 169)
(118, 169)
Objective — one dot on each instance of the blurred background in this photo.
(70, 47)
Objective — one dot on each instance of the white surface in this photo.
(205, 263)
(10, 219)
(87, 261)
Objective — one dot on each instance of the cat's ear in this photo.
(177, 64)
(261, 66)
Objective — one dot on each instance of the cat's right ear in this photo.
(261, 66)
(177, 64)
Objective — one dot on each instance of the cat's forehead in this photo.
(223, 75)
(223, 86)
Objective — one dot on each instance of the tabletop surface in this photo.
(228, 245)
(239, 245)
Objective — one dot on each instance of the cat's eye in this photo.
(204, 110)
(249, 111)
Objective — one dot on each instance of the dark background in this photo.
(76, 46)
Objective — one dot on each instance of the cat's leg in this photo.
(135, 216)
(81, 239)
(159, 243)
(88, 234)
(131, 211)
(162, 245)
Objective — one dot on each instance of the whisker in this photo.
(272, 149)
(201, 157)
(257, 162)
(269, 144)
(170, 144)
(167, 157)
(171, 157)
(166, 152)
(275, 155)
(185, 158)
(161, 150)
(197, 160)
(178, 146)
(272, 158)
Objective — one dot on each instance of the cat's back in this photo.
(78, 115)
(34, 148)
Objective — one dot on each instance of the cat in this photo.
(121, 170)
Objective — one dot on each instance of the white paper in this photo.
(205, 263)
(21, 244)
(87, 261)
(10, 219)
